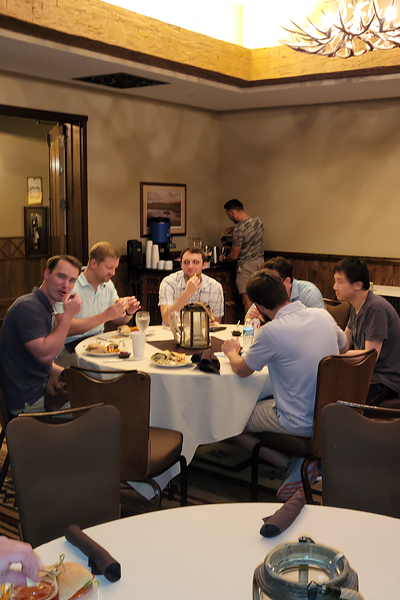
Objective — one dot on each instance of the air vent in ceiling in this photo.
(121, 81)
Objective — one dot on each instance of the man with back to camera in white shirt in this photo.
(292, 344)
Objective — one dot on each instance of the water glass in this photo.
(142, 320)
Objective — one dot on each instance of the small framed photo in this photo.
(35, 193)
(36, 232)
(163, 200)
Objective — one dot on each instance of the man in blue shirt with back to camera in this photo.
(297, 289)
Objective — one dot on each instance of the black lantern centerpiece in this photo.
(195, 326)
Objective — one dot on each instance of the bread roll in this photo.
(72, 577)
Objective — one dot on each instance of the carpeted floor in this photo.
(219, 472)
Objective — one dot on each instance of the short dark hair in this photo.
(355, 270)
(233, 205)
(266, 288)
(194, 250)
(102, 250)
(280, 265)
(54, 260)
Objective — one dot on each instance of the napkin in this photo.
(285, 516)
(207, 361)
(100, 562)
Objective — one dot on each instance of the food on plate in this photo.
(169, 358)
(75, 582)
(124, 330)
(106, 348)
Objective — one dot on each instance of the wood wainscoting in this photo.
(318, 268)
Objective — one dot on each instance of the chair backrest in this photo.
(341, 378)
(66, 473)
(4, 414)
(340, 311)
(360, 461)
(129, 392)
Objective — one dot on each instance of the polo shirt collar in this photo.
(43, 299)
(292, 307)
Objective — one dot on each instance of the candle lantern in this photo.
(305, 571)
(195, 323)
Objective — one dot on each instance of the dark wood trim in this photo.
(318, 268)
(41, 115)
(375, 260)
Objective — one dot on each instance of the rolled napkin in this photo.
(207, 361)
(284, 517)
(100, 561)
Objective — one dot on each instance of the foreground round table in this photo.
(205, 407)
(210, 552)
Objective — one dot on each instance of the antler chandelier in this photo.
(358, 26)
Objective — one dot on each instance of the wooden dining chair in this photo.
(339, 378)
(360, 461)
(340, 311)
(146, 451)
(65, 473)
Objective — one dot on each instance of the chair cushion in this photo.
(165, 449)
(294, 445)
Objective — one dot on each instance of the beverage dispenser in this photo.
(160, 233)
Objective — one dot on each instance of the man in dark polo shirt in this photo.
(31, 339)
(373, 323)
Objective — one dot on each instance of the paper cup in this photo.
(168, 265)
(161, 265)
(138, 342)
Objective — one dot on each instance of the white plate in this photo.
(102, 355)
(187, 363)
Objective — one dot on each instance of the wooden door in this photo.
(58, 190)
(67, 152)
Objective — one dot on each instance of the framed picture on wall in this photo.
(36, 232)
(163, 200)
(35, 192)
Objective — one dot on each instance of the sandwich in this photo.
(75, 582)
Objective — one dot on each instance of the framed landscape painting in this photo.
(163, 200)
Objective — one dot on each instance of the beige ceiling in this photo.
(78, 38)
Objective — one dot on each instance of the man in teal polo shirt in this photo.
(100, 300)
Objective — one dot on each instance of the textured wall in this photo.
(324, 178)
(130, 141)
(23, 154)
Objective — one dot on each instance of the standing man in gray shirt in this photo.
(247, 246)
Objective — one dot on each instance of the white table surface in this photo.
(210, 552)
(205, 407)
(390, 291)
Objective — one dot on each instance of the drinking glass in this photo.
(142, 320)
(46, 589)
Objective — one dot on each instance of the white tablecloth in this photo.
(205, 407)
(210, 552)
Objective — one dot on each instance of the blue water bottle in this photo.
(248, 334)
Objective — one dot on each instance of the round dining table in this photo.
(205, 407)
(210, 551)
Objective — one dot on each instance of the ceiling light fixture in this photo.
(357, 27)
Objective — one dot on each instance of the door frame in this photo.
(78, 221)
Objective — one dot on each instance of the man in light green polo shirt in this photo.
(100, 300)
